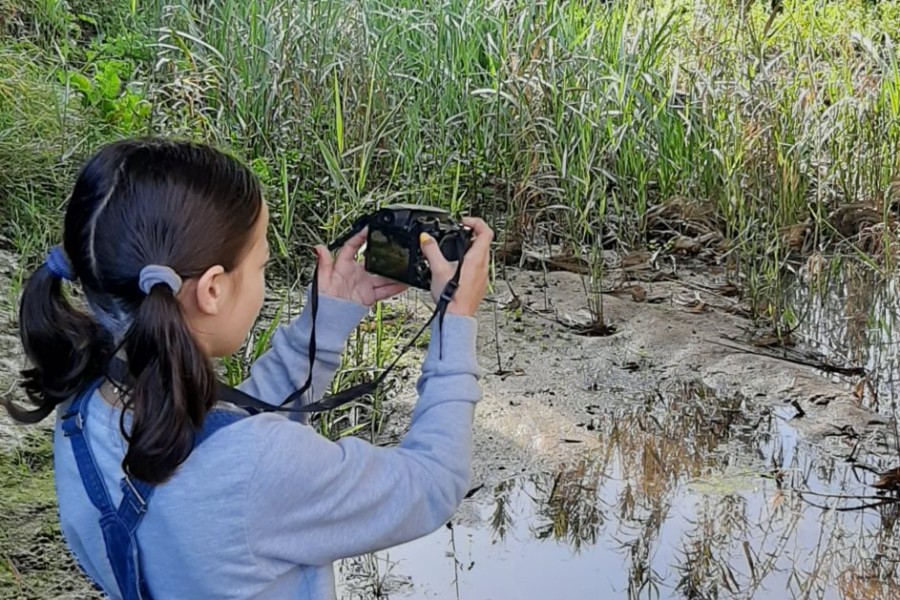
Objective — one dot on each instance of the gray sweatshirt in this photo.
(263, 507)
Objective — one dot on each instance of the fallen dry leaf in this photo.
(686, 244)
(699, 307)
(728, 290)
(640, 258)
(638, 293)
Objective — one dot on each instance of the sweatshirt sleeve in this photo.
(283, 368)
(313, 501)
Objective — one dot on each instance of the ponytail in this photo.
(65, 347)
(174, 387)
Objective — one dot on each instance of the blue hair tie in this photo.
(154, 274)
(59, 264)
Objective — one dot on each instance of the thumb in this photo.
(441, 270)
(432, 252)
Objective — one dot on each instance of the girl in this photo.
(168, 243)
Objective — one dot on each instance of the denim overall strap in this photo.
(72, 426)
(119, 526)
(215, 420)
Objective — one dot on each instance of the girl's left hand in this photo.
(345, 277)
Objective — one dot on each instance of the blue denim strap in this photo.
(119, 526)
(72, 426)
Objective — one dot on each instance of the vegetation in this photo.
(34, 562)
(745, 133)
(757, 129)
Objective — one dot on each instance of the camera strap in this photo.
(335, 400)
(117, 370)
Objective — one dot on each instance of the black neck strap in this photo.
(342, 397)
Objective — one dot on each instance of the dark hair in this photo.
(136, 203)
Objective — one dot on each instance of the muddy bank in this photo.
(650, 459)
(545, 384)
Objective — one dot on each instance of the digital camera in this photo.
(393, 249)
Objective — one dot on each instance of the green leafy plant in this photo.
(117, 104)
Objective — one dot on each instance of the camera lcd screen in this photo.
(385, 256)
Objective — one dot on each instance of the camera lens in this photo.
(448, 247)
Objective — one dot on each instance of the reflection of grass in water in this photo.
(737, 543)
(371, 576)
(653, 450)
(570, 506)
(703, 572)
(34, 562)
(500, 518)
(866, 585)
(672, 437)
(669, 439)
(847, 313)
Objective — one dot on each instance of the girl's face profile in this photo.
(226, 304)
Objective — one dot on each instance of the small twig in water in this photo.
(881, 501)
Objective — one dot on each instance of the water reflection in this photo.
(848, 314)
(693, 495)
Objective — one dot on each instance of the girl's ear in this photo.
(211, 290)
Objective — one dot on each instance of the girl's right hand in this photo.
(474, 275)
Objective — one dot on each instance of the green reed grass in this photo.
(561, 122)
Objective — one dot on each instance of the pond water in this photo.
(848, 314)
(692, 496)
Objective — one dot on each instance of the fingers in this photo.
(484, 235)
(476, 265)
(479, 227)
(324, 262)
(352, 246)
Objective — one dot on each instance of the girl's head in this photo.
(195, 216)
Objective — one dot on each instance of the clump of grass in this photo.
(33, 558)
